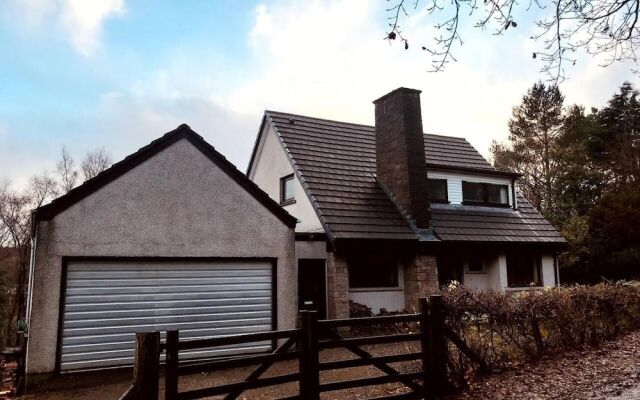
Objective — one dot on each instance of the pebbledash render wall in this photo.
(178, 203)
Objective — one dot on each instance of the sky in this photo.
(120, 73)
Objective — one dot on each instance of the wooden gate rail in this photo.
(359, 362)
(232, 390)
(312, 337)
(367, 359)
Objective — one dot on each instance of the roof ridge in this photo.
(357, 124)
(320, 119)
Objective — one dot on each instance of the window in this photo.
(524, 270)
(487, 194)
(373, 271)
(475, 265)
(438, 191)
(286, 190)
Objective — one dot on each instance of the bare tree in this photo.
(607, 27)
(15, 221)
(43, 188)
(66, 171)
(95, 162)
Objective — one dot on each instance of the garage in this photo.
(173, 237)
(107, 301)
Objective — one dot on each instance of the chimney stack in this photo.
(400, 159)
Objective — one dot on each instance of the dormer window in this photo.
(438, 191)
(286, 190)
(485, 194)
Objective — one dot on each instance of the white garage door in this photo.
(107, 302)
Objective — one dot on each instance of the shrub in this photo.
(507, 327)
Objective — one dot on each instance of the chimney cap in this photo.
(403, 89)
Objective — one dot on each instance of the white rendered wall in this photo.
(493, 277)
(548, 270)
(272, 163)
(391, 299)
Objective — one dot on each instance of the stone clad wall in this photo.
(337, 286)
(420, 279)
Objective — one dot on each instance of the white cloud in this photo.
(80, 22)
(83, 20)
(328, 59)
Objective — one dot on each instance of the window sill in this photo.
(287, 202)
(377, 289)
(440, 201)
(476, 272)
(473, 203)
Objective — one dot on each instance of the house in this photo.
(171, 237)
(175, 237)
(387, 213)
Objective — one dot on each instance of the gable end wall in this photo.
(176, 204)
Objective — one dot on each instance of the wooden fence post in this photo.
(425, 349)
(438, 370)
(309, 357)
(171, 366)
(147, 366)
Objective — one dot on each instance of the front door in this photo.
(312, 286)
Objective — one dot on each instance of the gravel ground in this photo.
(611, 372)
(114, 390)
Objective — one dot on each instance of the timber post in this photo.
(147, 366)
(309, 357)
(171, 366)
(438, 357)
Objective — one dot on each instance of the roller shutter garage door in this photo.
(107, 302)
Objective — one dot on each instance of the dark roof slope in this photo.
(336, 164)
(453, 152)
(118, 169)
(486, 224)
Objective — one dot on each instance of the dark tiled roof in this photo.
(336, 164)
(486, 224)
(183, 131)
(453, 152)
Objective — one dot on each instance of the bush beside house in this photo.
(507, 327)
(510, 327)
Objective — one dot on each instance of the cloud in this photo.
(328, 59)
(79, 22)
(83, 20)
(128, 120)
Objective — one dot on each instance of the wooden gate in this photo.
(305, 345)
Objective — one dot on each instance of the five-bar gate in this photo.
(426, 330)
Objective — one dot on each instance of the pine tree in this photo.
(533, 130)
(616, 147)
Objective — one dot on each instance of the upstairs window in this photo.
(487, 194)
(438, 191)
(286, 190)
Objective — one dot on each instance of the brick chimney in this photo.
(400, 160)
